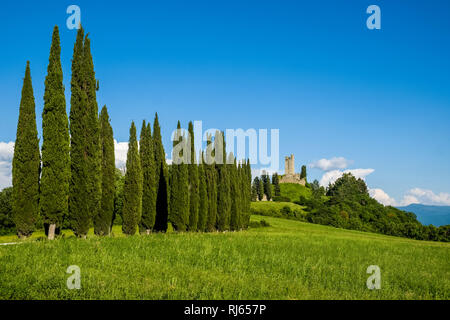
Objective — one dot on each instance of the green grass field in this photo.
(288, 260)
(294, 191)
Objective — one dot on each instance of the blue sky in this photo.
(378, 98)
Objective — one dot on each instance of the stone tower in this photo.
(289, 167)
(289, 172)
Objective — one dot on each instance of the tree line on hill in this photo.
(72, 182)
(347, 204)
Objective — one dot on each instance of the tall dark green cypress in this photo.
(179, 186)
(276, 184)
(211, 183)
(26, 164)
(161, 179)
(78, 194)
(193, 182)
(255, 189)
(203, 196)
(267, 187)
(234, 194)
(303, 172)
(103, 220)
(248, 183)
(132, 190)
(56, 142)
(223, 190)
(93, 146)
(149, 184)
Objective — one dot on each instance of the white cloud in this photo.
(121, 149)
(424, 196)
(6, 156)
(331, 164)
(382, 197)
(332, 176)
(415, 195)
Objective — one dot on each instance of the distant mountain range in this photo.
(435, 215)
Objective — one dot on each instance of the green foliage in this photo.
(235, 192)
(303, 172)
(193, 183)
(161, 179)
(132, 191)
(294, 191)
(281, 199)
(103, 220)
(276, 184)
(211, 183)
(179, 184)
(93, 146)
(286, 210)
(6, 220)
(119, 179)
(203, 198)
(26, 164)
(260, 189)
(79, 214)
(85, 151)
(224, 185)
(267, 186)
(259, 224)
(255, 189)
(149, 182)
(54, 187)
(348, 205)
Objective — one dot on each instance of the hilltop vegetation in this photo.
(288, 260)
(347, 204)
(287, 210)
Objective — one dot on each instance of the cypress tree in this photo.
(203, 196)
(223, 190)
(267, 187)
(255, 189)
(179, 186)
(276, 184)
(303, 173)
(211, 184)
(56, 142)
(148, 175)
(78, 194)
(193, 182)
(234, 194)
(132, 190)
(92, 131)
(26, 164)
(242, 195)
(248, 185)
(161, 179)
(261, 189)
(103, 220)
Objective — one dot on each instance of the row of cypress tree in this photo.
(75, 178)
(77, 164)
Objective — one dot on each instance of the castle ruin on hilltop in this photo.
(289, 172)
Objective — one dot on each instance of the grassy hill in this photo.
(286, 210)
(293, 191)
(288, 260)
